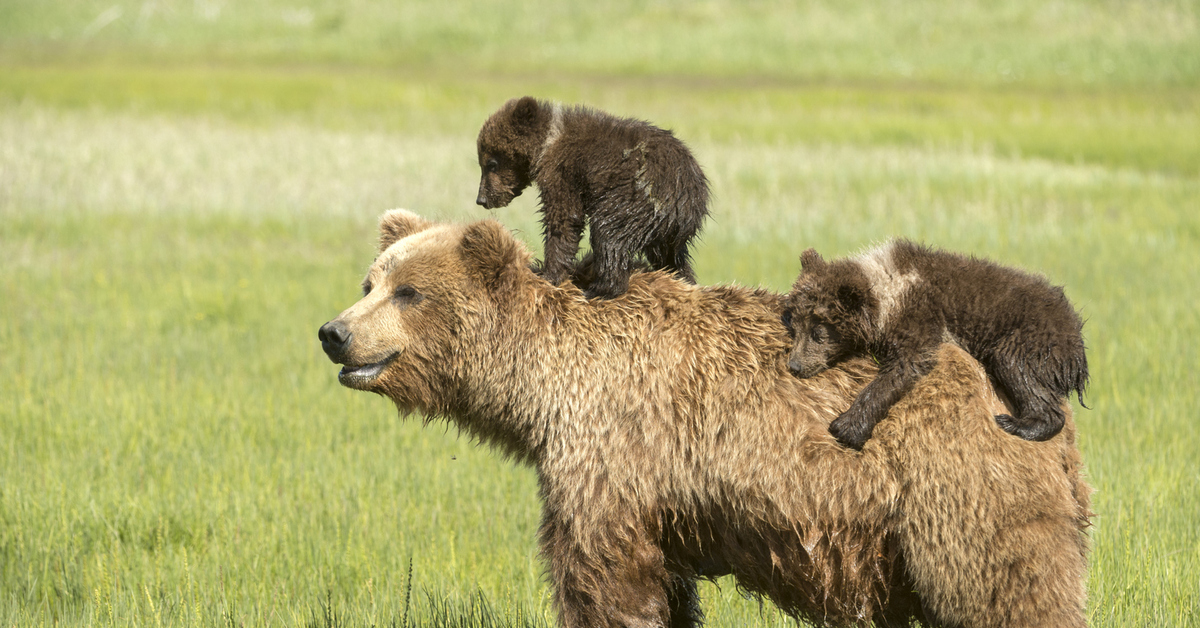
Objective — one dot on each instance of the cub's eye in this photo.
(820, 333)
(492, 165)
(786, 319)
(366, 288)
(406, 295)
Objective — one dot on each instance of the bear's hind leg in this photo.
(1038, 411)
(672, 256)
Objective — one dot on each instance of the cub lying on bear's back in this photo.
(898, 302)
(637, 185)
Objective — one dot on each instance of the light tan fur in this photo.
(888, 284)
(556, 129)
(671, 443)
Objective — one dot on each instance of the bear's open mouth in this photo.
(362, 376)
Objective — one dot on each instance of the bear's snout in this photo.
(481, 200)
(796, 366)
(335, 340)
(804, 368)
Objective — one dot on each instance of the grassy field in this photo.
(189, 189)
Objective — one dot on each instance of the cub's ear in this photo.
(812, 262)
(397, 224)
(492, 255)
(852, 296)
(525, 112)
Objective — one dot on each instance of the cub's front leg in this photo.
(563, 220)
(853, 428)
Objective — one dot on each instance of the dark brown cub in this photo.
(898, 302)
(637, 186)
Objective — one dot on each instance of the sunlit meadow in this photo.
(189, 189)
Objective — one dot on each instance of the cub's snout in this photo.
(335, 340)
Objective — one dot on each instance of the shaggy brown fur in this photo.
(637, 185)
(900, 301)
(671, 443)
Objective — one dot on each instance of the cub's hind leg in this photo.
(672, 256)
(1037, 413)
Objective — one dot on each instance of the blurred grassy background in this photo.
(188, 190)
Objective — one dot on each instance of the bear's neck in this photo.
(531, 370)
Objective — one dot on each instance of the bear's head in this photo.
(828, 312)
(432, 291)
(508, 143)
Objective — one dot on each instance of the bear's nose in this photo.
(335, 339)
(795, 365)
(481, 201)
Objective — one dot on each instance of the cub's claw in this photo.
(851, 430)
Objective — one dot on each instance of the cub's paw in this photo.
(1008, 424)
(1032, 430)
(851, 429)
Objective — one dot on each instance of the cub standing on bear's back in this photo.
(899, 301)
(638, 185)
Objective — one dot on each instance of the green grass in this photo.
(177, 219)
(1148, 127)
(999, 42)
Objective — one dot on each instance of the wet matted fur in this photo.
(671, 443)
(637, 186)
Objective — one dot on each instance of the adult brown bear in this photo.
(671, 444)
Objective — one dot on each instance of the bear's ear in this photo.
(852, 297)
(525, 112)
(492, 255)
(811, 261)
(398, 224)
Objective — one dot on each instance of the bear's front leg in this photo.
(853, 427)
(563, 220)
(612, 574)
(684, 603)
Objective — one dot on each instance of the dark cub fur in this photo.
(900, 301)
(639, 186)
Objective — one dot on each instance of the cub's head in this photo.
(508, 144)
(431, 291)
(828, 313)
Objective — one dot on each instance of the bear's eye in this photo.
(366, 288)
(786, 319)
(820, 334)
(493, 165)
(405, 296)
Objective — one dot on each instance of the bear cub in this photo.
(638, 186)
(899, 301)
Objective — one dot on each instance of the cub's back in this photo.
(977, 293)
